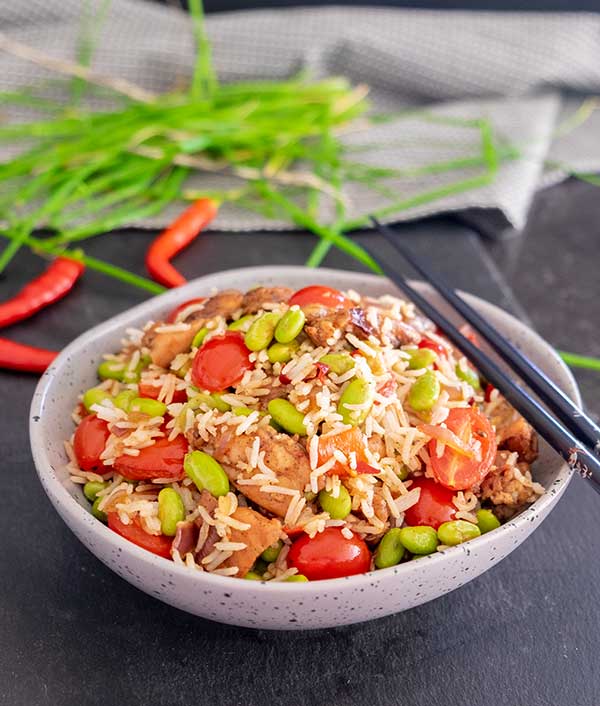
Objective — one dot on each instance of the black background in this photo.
(523, 634)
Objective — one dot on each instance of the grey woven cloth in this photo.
(524, 72)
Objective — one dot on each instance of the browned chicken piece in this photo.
(256, 298)
(166, 345)
(382, 511)
(514, 433)
(261, 534)
(286, 457)
(508, 484)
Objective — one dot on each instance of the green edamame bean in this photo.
(242, 411)
(206, 473)
(338, 508)
(338, 363)
(111, 370)
(424, 392)
(296, 578)
(357, 392)
(92, 488)
(420, 358)
(124, 399)
(94, 395)
(390, 550)
(468, 375)
(253, 576)
(271, 553)
(457, 532)
(486, 521)
(97, 513)
(198, 339)
(419, 540)
(170, 511)
(403, 473)
(260, 334)
(217, 400)
(287, 416)
(240, 323)
(290, 325)
(282, 352)
(146, 405)
(134, 375)
(213, 401)
(183, 370)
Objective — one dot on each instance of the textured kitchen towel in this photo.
(525, 72)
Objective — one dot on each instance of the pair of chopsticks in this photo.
(570, 432)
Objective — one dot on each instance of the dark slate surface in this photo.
(523, 634)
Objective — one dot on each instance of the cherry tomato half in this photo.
(152, 391)
(346, 442)
(434, 346)
(455, 470)
(329, 555)
(178, 309)
(164, 459)
(90, 439)
(434, 507)
(157, 544)
(317, 294)
(221, 362)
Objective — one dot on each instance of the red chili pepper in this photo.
(176, 237)
(18, 356)
(49, 287)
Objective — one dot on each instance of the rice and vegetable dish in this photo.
(292, 436)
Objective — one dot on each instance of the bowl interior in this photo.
(75, 369)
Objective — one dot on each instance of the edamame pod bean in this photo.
(357, 392)
(338, 363)
(424, 392)
(92, 488)
(282, 352)
(287, 416)
(390, 550)
(206, 473)
(124, 399)
(467, 374)
(420, 358)
(290, 325)
(98, 514)
(95, 395)
(457, 532)
(170, 511)
(242, 411)
(260, 334)
(419, 540)
(403, 473)
(486, 520)
(253, 576)
(111, 370)
(296, 578)
(213, 401)
(146, 405)
(271, 553)
(240, 323)
(338, 508)
(198, 339)
(217, 399)
(135, 374)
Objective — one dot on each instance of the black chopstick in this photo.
(579, 458)
(559, 404)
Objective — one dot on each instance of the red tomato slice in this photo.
(90, 439)
(434, 507)
(434, 346)
(157, 544)
(345, 441)
(178, 309)
(317, 294)
(221, 362)
(164, 459)
(455, 470)
(329, 555)
(151, 391)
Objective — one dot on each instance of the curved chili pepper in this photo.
(176, 237)
(18, 356)
(50, 286)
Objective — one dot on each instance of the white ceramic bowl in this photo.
(274, 605)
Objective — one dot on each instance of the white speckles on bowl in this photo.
(279, 606)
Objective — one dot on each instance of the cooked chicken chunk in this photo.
(256, 298)
(514, 433)
(508, 483)
(164, 346)
(261, 534)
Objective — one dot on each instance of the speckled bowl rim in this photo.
(74, 512)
